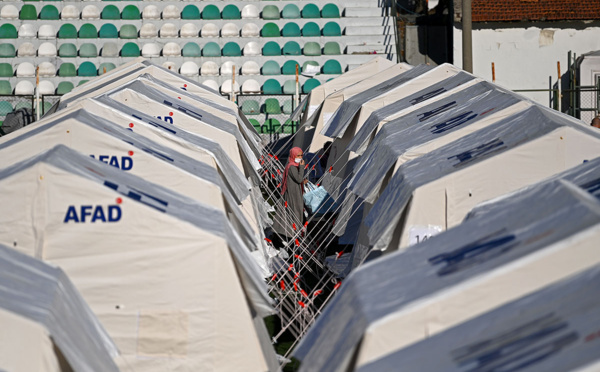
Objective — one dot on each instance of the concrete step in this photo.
(364, 12)
(371, 49)
(369, 30)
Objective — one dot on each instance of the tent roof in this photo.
(515, 229)
(44, 294)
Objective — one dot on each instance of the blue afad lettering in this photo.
(123, 162)
(90, 213)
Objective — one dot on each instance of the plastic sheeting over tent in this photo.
(520, 246)
(181, 280)
(44, 319)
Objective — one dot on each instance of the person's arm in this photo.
(296, 174)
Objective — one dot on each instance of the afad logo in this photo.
(166, 119)
(94, 213)
(122, 162)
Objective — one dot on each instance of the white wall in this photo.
(525, 58)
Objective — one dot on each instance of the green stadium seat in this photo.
(7, 51)
(5, 88)
(106, 66)
(82, 82)
(287, 104)
(67, 70)
(291, 30)
(330, 11)
(232, 49)
(307, 63)
(108, 31)
(272, 125)
(271, 86)
(290, 11)
(87, 69)
(49, 12)
(191, 49)
(309, 85)
(67, 31)
(88, 31)
(211, 49)
(67, 50)
(110, 12)
(190, 12)
(130, 50)
(311, 11)
(64, 87)
(28, 13)
(231, 12)
(271, 49)
(6, 70)
(270, 30)
(332, 67)
(270, 12)
(128, 32)
(331, 48)
(250, 107)
(289, 68)
(88, 50)
(288, 127)
(332, 29)
(256, 125)
(271, 68)
(289, 87)
(211, 12)
(131, 12)
(22, 104)
(8, 31)
(311, 29)
(292, 48)
(312, 49)
(5, 108)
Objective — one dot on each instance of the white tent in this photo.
(169, 278)
(46, 325)
(515, 247)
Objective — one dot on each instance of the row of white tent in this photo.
(142, 187)
(474, 216)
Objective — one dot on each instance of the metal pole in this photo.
(467, 40)
(233, 84)
(37, 92)
(493, 73)
(558, 85)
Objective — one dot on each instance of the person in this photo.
(596, 122)
(292, 189)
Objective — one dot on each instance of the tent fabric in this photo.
(359, 141)
(43, 294)
(340, 120)
(504, 246)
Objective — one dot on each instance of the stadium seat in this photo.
(250, 86)
(67, 50)
(311, 29)
(64, 87)
(231, 12)
(46, 32)
(6, 70)
(5, 87)
(110, 49)
(227, 68)
(272, 125)
(330, 11)
(106, 67)
(255, 123)
(271, 68)
(23, 104)
(309, 63)
(250, 11)
(5, 108)
(49, 12)
(88, 50)
(189, 69)
(7, 51)
(189, 30)
(128, 32)
(250, 107)
(331, 48)
(147, 31)
(90, 12)
(150, 50)
(250, 30)
(67, 70)
(230, 30)
(290, 29)
(24, 87)
(287, 107)
(229, 86)
(46, 69)
(171, 12)
(151, 12)
(332, 67)
(130, 12)
(211, 84)
(311, 11)
(46, 87)
(110, 12)
(191, 49)
(271, 49)
(312, 49)
(270, 12)
(26, 30)
(171, 50)
(211, 49)
(289, 87)
(209, 68)
(87, 69)
(292, 48)
(272, 106)
(209, 30)
(271, 86)
(211, 12)
(130, 50)
(69, 12)
(252, 49)
(168, 30)
(232, 49)
(190, 12)
(47, 49)
(290, 11)
(88, 31)
(9, 12)
(270, 30)
(28, 13)
(25, 69)
(67, 31)
(26, 50)
(82, 82)
(108, 31)
(309, 85)
(332, 29)
(8, 31)
(248, 68)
